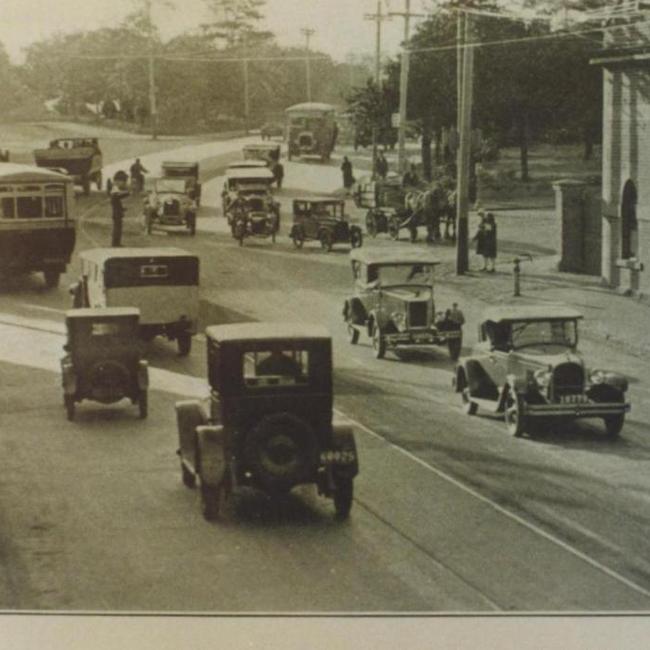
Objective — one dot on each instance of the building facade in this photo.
(626, 160)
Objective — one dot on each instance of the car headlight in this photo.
(542, 377)
(597, 376)
(399, 318)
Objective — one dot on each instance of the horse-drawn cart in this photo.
(384, 200)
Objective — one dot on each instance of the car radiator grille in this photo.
(568, 379)
(171, 209)
(418, 314)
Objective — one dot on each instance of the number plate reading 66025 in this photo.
(341, 457)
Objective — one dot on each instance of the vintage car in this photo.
(526, 366)
(311, 130)
(162, 282)
(246, 164)
(189, 172)
(168, 204)
(324, 220)
(393, 302)
(255, 216)
(37, 221)
(247, 182)
(269, 424)
(265, 151)
(271, 130)
(103, 358)
(80, 157)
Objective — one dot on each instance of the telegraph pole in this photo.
(464, 152)
(403, 83)
(308, 33)
(378, 17)
(247, 101)
(152, 74)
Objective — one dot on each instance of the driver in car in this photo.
(278, 363)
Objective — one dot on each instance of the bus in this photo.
(311, 130)
(37, 225)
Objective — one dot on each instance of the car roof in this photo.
(247, 164)
(251, 173)
(392, 255)
(311, 106)
(98, 312)
(266, 331)
(100, 255)
(167, 163)
(12, 172)
(529, 312)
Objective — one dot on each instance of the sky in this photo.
(339, 24)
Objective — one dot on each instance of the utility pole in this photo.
(247, 101)
(403, 83)
(378, 17)
(308, 33)
(464, 152)
(152, 74)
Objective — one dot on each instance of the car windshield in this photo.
(276, 367)
(544, 332)
(395, 274)
(176, 185)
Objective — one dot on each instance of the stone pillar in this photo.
(610, 246)
(569, 210)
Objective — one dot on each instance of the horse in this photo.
(426, 207)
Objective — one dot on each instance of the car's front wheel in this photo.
(343, 495)
(378, 343)
(356, 238)
(298, 237)
(326, 240)
(614, 425)
(516, 421)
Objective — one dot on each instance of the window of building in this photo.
(629, 224)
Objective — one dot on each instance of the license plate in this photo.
(421, 339)
(344, 457)
(573, 399)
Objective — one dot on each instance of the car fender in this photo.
(616, 380)
(190, 414)
(68, 377)
(143, 374)
(343, 440)
(212, 454)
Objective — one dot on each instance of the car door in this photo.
(311, 222)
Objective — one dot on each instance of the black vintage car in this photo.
(269, 424)
(189, 172)
(103, 358)
(323, 220)
(526, 367)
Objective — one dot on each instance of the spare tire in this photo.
(281, 451)
(109, 381)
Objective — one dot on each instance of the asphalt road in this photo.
(450, 513)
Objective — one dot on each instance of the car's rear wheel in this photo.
(343, 496)
(614, 425)
(378, 343)
(184, 342)
(143, 404)
(516, 421)
(469, 407)
(298, 237)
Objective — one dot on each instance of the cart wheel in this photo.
(393, 228)
(69, 406)
(143, 404)
(184, 342)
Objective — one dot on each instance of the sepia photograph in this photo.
(325, 323)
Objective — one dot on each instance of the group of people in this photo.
(118, 189)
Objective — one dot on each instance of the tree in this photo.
(236, 22)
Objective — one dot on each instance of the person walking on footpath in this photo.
(381, 165)
(348, 177)
(117, 193)
(490, 242)
(456, 316)
(278, 173)
(479, 238)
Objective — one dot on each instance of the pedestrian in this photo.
(456, 315)
(278, 173)
(381, 166)
(490, 242)
(479, 238)
(410, 178)
(348, 177)
(137, 175)
(118, 192)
